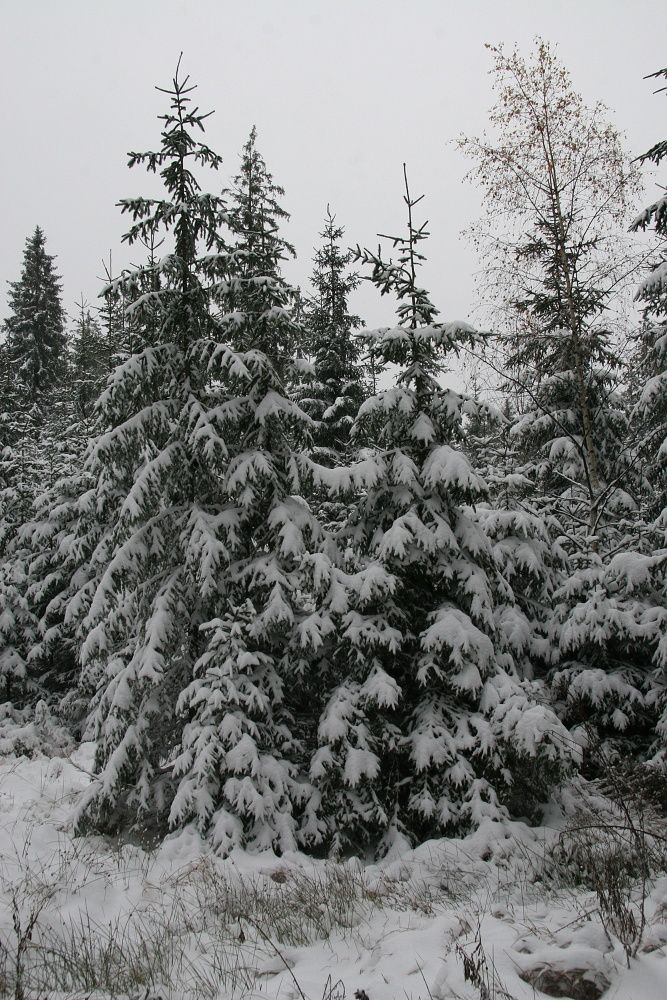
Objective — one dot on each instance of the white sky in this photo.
(341, 93)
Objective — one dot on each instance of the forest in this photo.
(309, 586)
(298, 590)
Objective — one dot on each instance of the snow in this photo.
(655, 282)
(451, 468)
(291, 926)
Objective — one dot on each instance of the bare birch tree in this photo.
(558, 189)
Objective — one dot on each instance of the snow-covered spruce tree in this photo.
(251, 703)
(648, 420)
(336, 386)
(57, 544)
(614, 614)
(610, 626)
(255, 217)
(54, 537)
(33, 404)
(19, 434)
(17, 624)
(33, 367)
(49, 542)
(18, 629)
(523, 535)
(157, 570)
(427, 728)
(35, 330)
(592, 510)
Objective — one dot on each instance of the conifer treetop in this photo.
(35, 332)
(257, 213)
(179, 153)
(419, 333)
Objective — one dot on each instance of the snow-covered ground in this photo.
(116, 919)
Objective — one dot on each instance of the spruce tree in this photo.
(44, 542)
(524, 536)
(196, 613)
(89, 363)
(426, 730)
(610, 618)
(250, 703)
(156, 509)
(35, 330)
(592, 510)
(17, 459)
(255, 216)
(33, 367)
(33, 448)
(336, 386)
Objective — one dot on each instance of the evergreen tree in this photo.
(43, 545)
(89, 363)
(336, 386)
(19, 452)
(592, 511)
(32, 383)
(524, 537)
(255, 216)
(33, 421)
(35, 331)
(610, 620)
(17, 458)
(156, 512)
(250, 703)
(196, 612)
(426, 729)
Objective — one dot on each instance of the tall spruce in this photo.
(33, 446)
(156, 512)
(647, 575)
(35, 330)
(610, 615)
(250, 704)
(17, 461)
(425, 723)
(44, 542)
(33, 364)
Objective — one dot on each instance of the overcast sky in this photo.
(341, 93)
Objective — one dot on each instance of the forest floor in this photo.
(495, 916)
